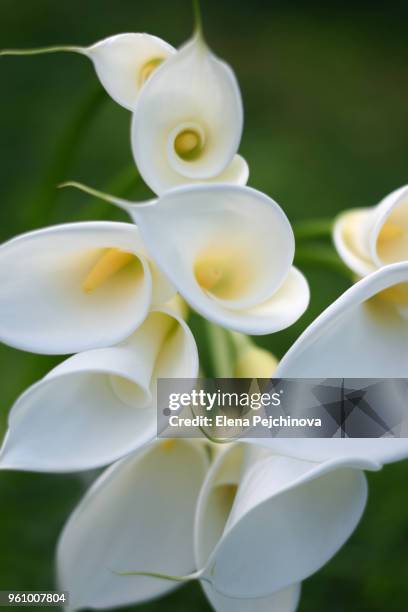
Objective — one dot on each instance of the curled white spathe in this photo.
(265, 524)
(97, 406)
(227, 249)
(188, 121)
(125, 62)
(138, 515)
(368, 238)
(43, 306)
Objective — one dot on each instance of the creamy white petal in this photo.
(236, 172)
(287, 519)
(97, 406)
(351, 239)
(227, 249)
(283, 309)
(286, 600)
(356, 337)
(389, 233)
(124, 62)
(138, 516)
(188, 120)
(43, 305)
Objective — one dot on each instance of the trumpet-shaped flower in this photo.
(99, 405)
(140, 512)
(111, 532)
(76, 287)
(228, 250)
(361, 335)
(369, 238)
(188, 121)
(266, 522)
(123, 62)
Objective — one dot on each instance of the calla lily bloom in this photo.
(111, 532)
(123, 62)
(267, 523)
(139, 512)
(188, 121)
(97, 406)
(361, 335)
(228, 250)
(75, 287)
(369, 238)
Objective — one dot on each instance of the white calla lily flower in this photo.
(361, 335)
(75, 287)
(188, 121)
(122, 62)
(228, 250)
(97, 406)
(138, 514)
(263, 525)
(369, 238)
(125, 62)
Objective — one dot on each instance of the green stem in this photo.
(210, 437)
(44, 50)
(322, 257)
(198, 22)
(73, 133)
(240, 341)
(125, 205)
(188, 578)
(313, 229)
(220, 350)
(122, 184)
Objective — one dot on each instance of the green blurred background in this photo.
(325, 88)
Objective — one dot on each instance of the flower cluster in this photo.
(249, 520)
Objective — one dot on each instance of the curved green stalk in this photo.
(240, 341)
(123, 183)
(198, 22)
(45, 50)
(101, 195)
(211, 438)
(188, 578)
(322, 257)
(220, 350)
(125, 205)
(313, 229)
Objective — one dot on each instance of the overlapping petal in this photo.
(188, 121)
(75, 287)
(99, 405)
(264, 525)
(361, 335)
(351, 241)
(368, 238)
(388, 239)
(137, 516)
